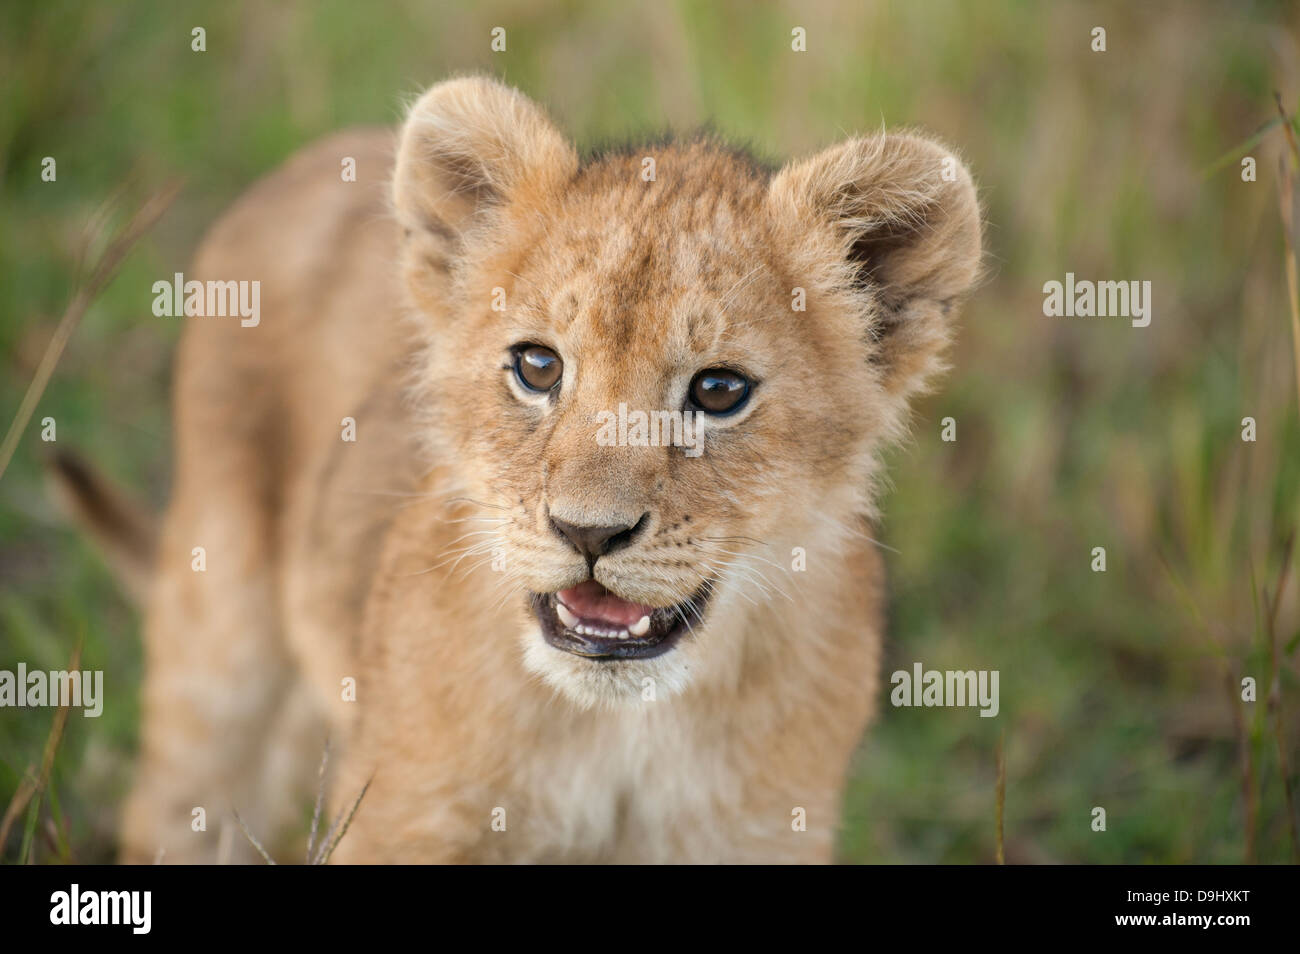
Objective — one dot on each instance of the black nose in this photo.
(594, 542)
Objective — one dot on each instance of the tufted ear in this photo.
(469, 145)
(894, 219)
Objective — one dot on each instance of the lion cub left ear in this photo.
(889, 227)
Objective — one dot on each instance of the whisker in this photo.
(477, 503)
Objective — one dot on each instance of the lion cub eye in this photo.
(537, 368)
(719, 391)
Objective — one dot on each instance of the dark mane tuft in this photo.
(743, 152)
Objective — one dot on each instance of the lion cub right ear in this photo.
(892, 223)
(469, 146)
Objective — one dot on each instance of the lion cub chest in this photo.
(629, 787)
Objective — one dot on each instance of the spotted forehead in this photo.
(665, 257)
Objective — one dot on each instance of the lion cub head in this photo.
(656, 372)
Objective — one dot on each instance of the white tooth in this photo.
(640, 627)
(568, 619)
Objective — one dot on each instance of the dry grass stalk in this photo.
(316, 855)
(102, 273)
(1002, 796)
(34, 786)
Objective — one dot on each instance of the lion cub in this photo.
(543, 485)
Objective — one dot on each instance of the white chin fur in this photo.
(589, 683)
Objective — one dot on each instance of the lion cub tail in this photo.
(125, 531)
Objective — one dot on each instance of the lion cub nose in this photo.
(595, 542)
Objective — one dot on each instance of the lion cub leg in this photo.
(227, 724)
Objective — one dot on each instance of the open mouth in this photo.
(588, 620)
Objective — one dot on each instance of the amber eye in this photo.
(537, 368)
(719, 391)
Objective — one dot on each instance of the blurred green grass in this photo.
(1071, 434)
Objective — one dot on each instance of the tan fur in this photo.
(328, 560)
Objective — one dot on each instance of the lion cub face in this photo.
(655, 379)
